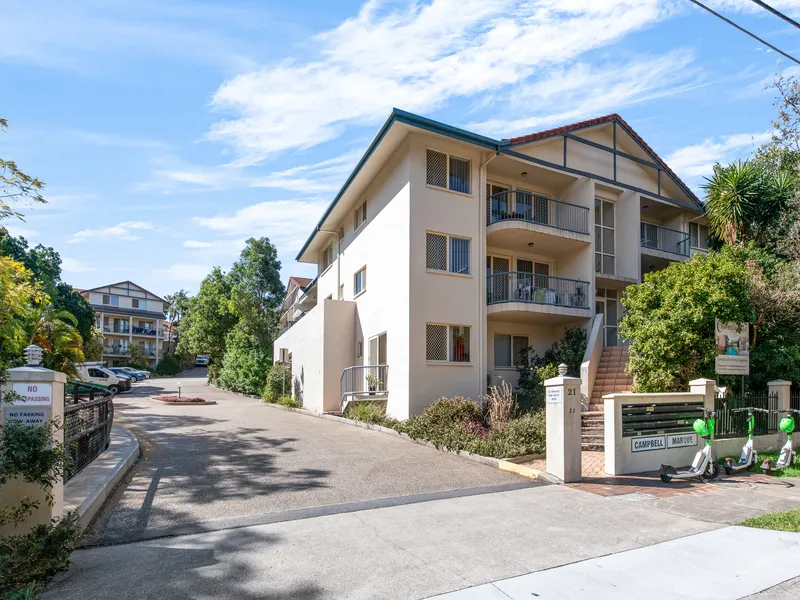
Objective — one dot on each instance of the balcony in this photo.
(535, 209)
(368, 382)
(509, 294)
(657, 240)
(115, 350)
(116, 329)
(144, 330)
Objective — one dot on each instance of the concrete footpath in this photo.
(725, 564)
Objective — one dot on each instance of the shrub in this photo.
(443, 422)
(29, 559)
(278, 382)
(244, 369)
(570, 350)
(366, 412)
(290, 401)
(168, 366)
(530, 389)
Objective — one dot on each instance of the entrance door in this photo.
(607, 303)
(498, 278)
(377, 350)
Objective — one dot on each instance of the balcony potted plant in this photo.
(373, 383)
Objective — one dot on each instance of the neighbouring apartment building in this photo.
(129, 316)
(446, 253)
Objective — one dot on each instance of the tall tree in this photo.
(16, 186)
(55, 332)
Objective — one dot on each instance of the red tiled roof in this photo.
(301, 281)
(526, 139)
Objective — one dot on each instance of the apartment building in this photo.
(129, 316)
(446, 253)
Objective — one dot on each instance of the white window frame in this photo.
(110, 299)
(602, 252)
(329, 248)
(360, 349)
(447, 270)
(448, 155)
(360, 216)
(700, 239)
(363, 272)
(511, 336)
(448, 348)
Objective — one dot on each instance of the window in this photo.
(360, 281)
(603, 236)
(327, 256)
(361, 215)
(447, 253)
(698, 235)
(448, 172)
(137, 303)
(447, 343)
(509, 349)
(111, 300)
(360, 349)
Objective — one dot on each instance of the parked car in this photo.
(144, 374)
(135, 375)
(94, 372)
(201, 360)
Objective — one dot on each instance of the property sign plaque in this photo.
(681, 440)
(33, 394)
(555, 395)
(31, 416)
(647, 443)
(733, 348)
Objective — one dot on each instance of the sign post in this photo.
(563, 413)
(37, 400)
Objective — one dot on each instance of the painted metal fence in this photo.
(363, 380)
(87, 430)
(732, 424)
(534, 208)
(537, 289)
(665, 239)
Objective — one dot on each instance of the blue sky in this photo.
(169, 132)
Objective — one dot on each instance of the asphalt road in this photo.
(240, 463)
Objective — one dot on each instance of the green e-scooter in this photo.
(788, 455)
(705, 463)
(749, 456)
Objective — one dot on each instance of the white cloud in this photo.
(286, 223)
(184, 272)
(216, 248)
(120, 231)
(21, 231)
(698, 159)
(325, 176)
(417, 58)
(571, 93)
(73, 265)
(114, 140)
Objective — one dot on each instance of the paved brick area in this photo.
(592, 463)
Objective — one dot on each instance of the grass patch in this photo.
(290, 401)
(791, 471)
(779, 521)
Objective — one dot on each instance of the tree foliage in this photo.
(17, 298)
(669, 318)
(15, 185)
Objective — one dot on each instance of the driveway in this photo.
(240, 462)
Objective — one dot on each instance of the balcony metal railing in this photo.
(115, 329)
(537, 289)
(516, 205)
(366, 380)
(115, 350)
(144, 330)
(656, 237)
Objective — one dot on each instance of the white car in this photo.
(96, 373)
(201, 360)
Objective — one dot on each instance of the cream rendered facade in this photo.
(445, 284)
(128, 315)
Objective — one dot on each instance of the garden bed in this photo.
(183, 400)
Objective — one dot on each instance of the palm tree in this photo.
(744, 199)
(55, 332)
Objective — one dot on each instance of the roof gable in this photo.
(104, 289)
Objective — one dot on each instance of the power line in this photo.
(743, 30)
(777, 13)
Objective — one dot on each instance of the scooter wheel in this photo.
(666, 473)
(728, 469)
(712, 471)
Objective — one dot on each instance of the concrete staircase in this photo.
(611, 378)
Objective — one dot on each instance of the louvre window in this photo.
(447, 343)
(448, 172)
(604, 254)
(447, 253)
